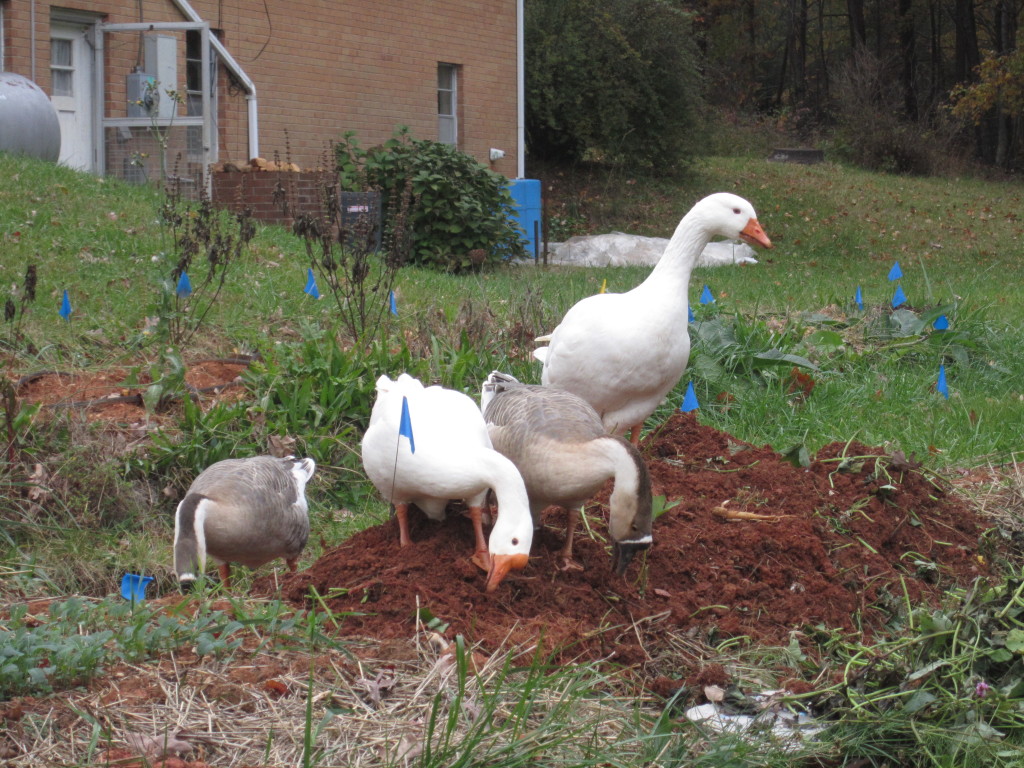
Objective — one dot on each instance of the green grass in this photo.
(834, 229)
(873, 371)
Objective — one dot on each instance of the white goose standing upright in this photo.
(624, 352)
(564, 454)
(452, 459)
(247, 511)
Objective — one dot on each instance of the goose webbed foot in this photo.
(566, 563)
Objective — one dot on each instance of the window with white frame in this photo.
(62, 68)
(447, 104)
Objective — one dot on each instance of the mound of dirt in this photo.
(830, 545)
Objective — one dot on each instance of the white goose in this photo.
(247, 511)
(557, 441)
(623, 352)
(449, 456)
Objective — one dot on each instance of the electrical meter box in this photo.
(147, 90)
(141, 94)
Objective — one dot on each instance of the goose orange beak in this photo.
(501, 565)
(754, 235)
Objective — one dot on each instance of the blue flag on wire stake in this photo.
(690, 400)
(898, 297)
(393, 304)
(405, 425)
(858, 297)
(184, 289)
(133, 587)
(941, 323)
(311, 288)
(895, 273)
(689, 314)
(940, 386)
(65, 306)
(706, 297)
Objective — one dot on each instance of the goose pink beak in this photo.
(754, 235)
(500, 567)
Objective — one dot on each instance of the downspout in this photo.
(250, 87)
(520, 91)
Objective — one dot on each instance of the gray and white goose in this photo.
(247, 511)
(558, 443)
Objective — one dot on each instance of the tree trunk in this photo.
(908, 57)
(858, 29)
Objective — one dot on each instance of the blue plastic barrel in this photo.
(527, 212)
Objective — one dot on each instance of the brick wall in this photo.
(324, 67)
(261, 192)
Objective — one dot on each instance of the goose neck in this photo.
(682, 252)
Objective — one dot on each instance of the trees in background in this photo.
(610, 76)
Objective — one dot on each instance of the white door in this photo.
(71, 78)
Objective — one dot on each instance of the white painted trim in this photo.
(520, 91)
(250, 87)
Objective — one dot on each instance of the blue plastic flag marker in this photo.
(941, 323)
(689, 314)
(690, 400)
(706, 297)
(393, 304)
(133, 587)
(940, 386)
(311, 288)
(65, 306)
(184, 289)
(405, 425)
(895, 273)
(859, 298)
(898, 297)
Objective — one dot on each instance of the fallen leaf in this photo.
(662, 593)
(275, 687)
(36, 489)
(156, 747)
(282, 447)
(378, 688)
(714, 694)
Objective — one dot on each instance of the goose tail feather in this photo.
(492, 386)
(189, 543)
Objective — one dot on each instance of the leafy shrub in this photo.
(612, 80)
(461, 216)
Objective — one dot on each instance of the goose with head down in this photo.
(247, 511)
(426, 446)
(564, 455)
(624, 352)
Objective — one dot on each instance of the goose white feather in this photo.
(247, 511)
(623, 353)
(453, 459)
(564, 455)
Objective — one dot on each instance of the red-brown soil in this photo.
(851, 539)
(106, 396)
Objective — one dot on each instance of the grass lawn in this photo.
(783, 357)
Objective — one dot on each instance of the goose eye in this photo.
(736, 210)
(515, 542)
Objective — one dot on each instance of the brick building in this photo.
(146, 87)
